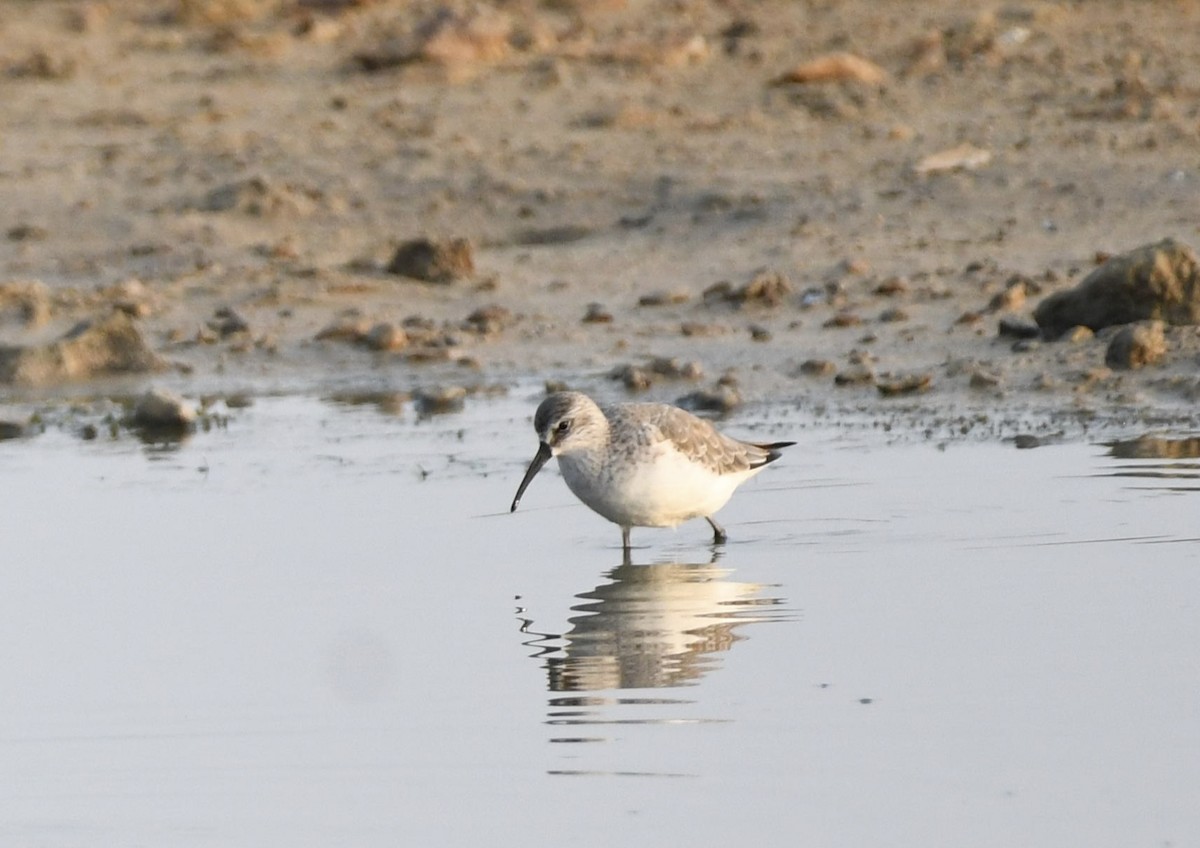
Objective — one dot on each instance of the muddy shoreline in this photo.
(239, 179)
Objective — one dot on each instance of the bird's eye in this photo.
(564, 425)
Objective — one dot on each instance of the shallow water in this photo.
(320, 626)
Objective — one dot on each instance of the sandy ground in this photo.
(238, 173)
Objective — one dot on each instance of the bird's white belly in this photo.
(662, 490)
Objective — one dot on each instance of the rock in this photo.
(386, 336)
(984, 380)
(1018, 328)
(31, 301)
(675, 369)
(111, 345)
(859, 375)
(227, 322)
(892, 286)
(11, 430)
(910, 385)
(834, 67)
(633, 378)
(1137, 345)
(766, 287)
(597, 314)
(964, 157)
(261, 198)
(720, 399)
(698, 329)
(843, 319)
(1156, 281)
(159, 409)
(893, 315)
(345, 330)
(437, 400)
(1077, 335)
(487, 320)
(759, 333)
(665, 298)
(433, 261)
(816, 368)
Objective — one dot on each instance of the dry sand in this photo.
(934, 171)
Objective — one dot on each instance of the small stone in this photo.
(984, 380)
(1026, 345)
(11, 430)
(227, 322)
(1012, 298)
(159, 409)
(816, 368)
(345, 330)
(1026, 441)
(759, 333)
(697, 329)
(633, 378)
(488, 320)
(433, 261)
(438, 400)
(597, 314)
(843, 319)
(894, 315)
(892, 286)
(834, 67)
(386, 336)
(913, 384)
(1078, 334)
(675, 369)
(721, 399)
(1018, 328)
(859, 375)
(665, 298)
(1137, 345)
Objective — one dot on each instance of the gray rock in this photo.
(720, 399)
(111, 345)
(1137, 345)
(1018, 328)
(159, 409)
(1156, 281)
(11, 430)
(433, 261)
(438, 400)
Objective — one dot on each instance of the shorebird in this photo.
(643, 464)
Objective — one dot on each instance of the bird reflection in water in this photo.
(651, 626)
(647, 627)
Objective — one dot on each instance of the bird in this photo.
(643, 464)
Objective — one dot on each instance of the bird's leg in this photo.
(719, 536)
(625, 539)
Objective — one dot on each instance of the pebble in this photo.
(892, 286)
(386, 336)
(891, 316)
(720, 399)
(597, 314)
(438, 400)
(159, 409)
(909, 385)
(1018, 328)
(984, 380)
(227, 322)
(1137, 345)
(665, 298)
(759, 333)
(859, 375)
(816, 368)
(11, 430)
(433, 261)
(843, 319)
(1078, 334)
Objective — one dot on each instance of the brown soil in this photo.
(867, 188)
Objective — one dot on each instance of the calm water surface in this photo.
(321, 627)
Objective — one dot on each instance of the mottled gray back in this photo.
(692, 436)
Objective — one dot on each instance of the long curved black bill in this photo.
(541, 458)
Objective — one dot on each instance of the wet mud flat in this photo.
(318, 624)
